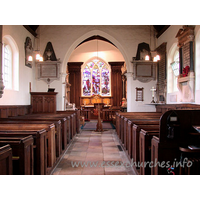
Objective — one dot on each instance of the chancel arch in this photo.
(95, 69)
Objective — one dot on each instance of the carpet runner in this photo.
(92, 125)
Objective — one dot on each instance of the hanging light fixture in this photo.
(30, 58)
(155, 55)
(38, 57)
(147, 57)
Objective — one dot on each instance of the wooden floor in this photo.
(94, 153)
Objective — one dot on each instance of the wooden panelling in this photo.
(116, 83)
(74, 69)
(43, 102)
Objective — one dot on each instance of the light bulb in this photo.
(158, 57)
(30, 58)
(147, 57)
(41, 59)
(155, 59)
(37, 56)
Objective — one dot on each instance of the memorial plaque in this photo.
(144, 70)
(49, 71)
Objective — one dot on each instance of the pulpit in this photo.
(43, 102)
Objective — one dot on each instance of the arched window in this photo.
(175, 68)
(7, 67)
(96, 79)
(10, 66)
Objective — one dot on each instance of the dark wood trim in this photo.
(30, 30)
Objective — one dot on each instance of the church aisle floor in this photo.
(99, 151)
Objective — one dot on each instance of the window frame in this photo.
(7, 63)
(95, 63)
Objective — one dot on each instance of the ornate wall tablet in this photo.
(48, 71)
(144, 71)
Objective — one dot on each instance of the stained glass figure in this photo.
(86, 81)
(95, 80)
(105, 86)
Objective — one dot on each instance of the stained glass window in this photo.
(96, 79)
(105, 79)
(86, 81)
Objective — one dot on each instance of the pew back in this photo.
(22, 153)
(39, 145)
(5, 160)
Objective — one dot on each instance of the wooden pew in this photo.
(22, 153)
(39, 145)
(154, 154)
(176, 135)
(133, 115)
(135, 138)
(131, 122)
(153, 120)
(50, 128)
(145, 150)
(5, 160)
(65, 124)
(77, 115)
(25, 120)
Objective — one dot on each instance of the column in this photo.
(1, 79)
(124, 102)
(129, 78)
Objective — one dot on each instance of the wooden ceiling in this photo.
(160, 29)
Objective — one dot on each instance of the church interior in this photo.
(123, 96)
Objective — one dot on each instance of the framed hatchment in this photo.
(48, 71)
(139, 94)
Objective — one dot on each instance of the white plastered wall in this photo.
(66, 38)
(20, 95)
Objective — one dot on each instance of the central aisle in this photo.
(94, 153)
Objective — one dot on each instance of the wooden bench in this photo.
(39, 145)
(145, 150)
(132, 115)
(65, 125)
(135, 138)
(5, 160)
(77, 116)
(176, 135)
(22, 153)
(141, 121)
(50, 128)
(25, 120)
(138, 122)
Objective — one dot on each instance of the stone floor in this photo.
(94, 153)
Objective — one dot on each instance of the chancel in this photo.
(99, 94)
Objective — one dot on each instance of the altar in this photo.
(91, 100)
(88, 104)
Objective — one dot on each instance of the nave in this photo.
(97, 149)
